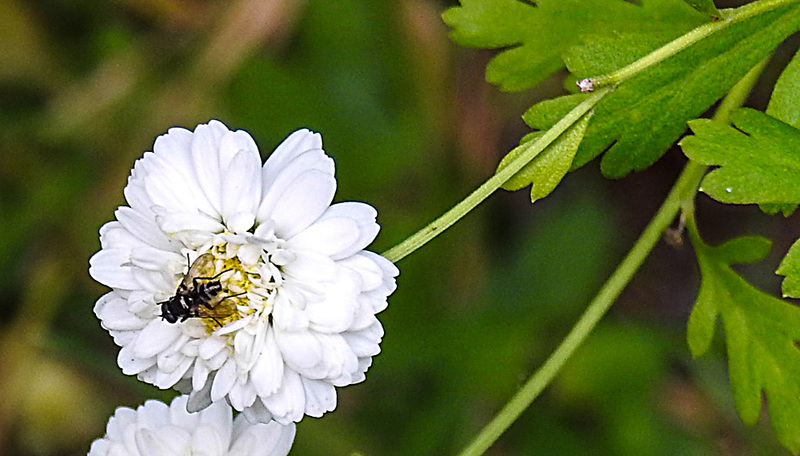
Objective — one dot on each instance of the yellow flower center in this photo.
(232, 302)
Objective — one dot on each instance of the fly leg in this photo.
(196, 280)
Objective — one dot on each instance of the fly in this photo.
(198, 295)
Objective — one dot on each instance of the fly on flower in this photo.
(279, 307)
(198, 295)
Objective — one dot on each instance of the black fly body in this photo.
(198, 296)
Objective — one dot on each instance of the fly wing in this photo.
(219, 307)
(203, 266)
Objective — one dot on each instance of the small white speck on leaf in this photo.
(586, 85)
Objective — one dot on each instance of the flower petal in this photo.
(334, 314)
(200, 399)
(300, 350)
(299, 203)
(172, 222)
(113, 311)
(172, 187)
(132, 364)
(223, 382)
(270, 439)
(286, 316)
(320, 397)
(293, 146)
(111, 267)
(242, 395)
(167, 379)
(144, 228)
(343, 230)
(154, 442)
(288, 404)
(328, 236)
(174, 152)
(310, 268)
(178, 415)
(257, 413)
(366, 342)
(206, 162)
(370, 273)
(267, 372)
(155, 338)
(206, 441)
(241, 186)
(210, 346)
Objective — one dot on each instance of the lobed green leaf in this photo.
(790, 269)
(535, 37)
(785, 101)
(760, 331)
(759, 160)
(640, 120)
(705, 6)
(773, 208)
(545, 171)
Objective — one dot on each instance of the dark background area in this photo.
(85, 88)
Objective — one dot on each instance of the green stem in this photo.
(684, 188)
(730, 17)
(679, 198)
(530, 150)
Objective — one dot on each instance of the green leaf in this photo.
(545, 171)
(774, 208)
(785, 101)
(641, 119)
(760, 332)
(536, 36)
(545, 114)
(759, 160)
(790, 269)
(705, 6)
(596, 54)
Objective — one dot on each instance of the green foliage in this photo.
(644, 113)
(551, 165)
(785, 102)
(705, 6)
(758, 160)
(536, 37)
(639, 121)
(772, 209)
(86, 86)
(760, 331)
(790, 269)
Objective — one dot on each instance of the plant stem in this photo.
(680, 198)
(730, 17)
(531, 150)
(604, 83)
(684, 188)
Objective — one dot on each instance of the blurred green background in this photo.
(86, 86)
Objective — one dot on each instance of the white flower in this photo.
(155, 429)
(293, 312)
